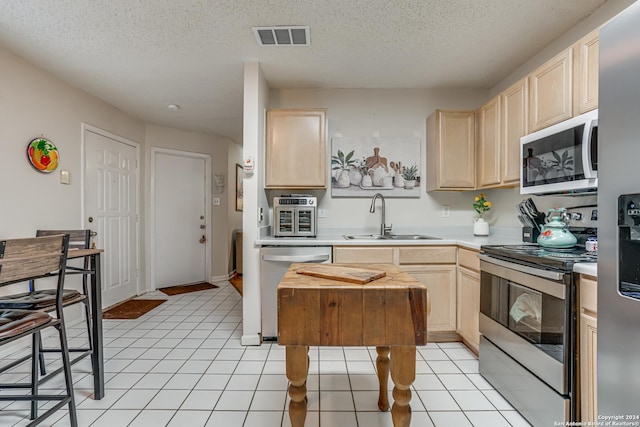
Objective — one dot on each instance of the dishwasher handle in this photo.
(296, 258)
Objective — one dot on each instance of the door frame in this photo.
(152, 208)
(83, 151)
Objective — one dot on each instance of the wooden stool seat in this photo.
(16, 322)
(40, 299)
(26, 260)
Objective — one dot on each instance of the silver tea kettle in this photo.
(555, 233)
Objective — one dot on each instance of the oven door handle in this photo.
(552, 275)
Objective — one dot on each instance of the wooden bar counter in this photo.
(389, 313)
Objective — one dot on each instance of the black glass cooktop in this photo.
(544, 257)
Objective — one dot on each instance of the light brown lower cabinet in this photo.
(441, 284)
(435, 266)
(468, 290)
(588, 351)
(469, 307)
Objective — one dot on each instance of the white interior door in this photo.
(110, 207)
(180, 219)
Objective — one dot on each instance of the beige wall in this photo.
(234, 156)
(32, 103)
(256, 100)
(222, 218)
(394, 112)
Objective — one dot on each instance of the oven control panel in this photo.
(294, 200)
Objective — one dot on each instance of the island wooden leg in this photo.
(403, 373)
(297, 361)
(382, 363)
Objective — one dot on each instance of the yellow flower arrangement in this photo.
(481, 204)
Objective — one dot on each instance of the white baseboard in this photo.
(222, 278)
(251, 340)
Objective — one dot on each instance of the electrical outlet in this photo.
(322, 213)
(216, 201)
(446, 212)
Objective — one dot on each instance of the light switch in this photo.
(216, 201)
(65, 177)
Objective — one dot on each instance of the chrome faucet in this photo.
(384, 230)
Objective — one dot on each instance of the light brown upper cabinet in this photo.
(296, 149)
(515, 124)
(451, 160)
(550, 92)
(501, 123)
(585, 63)
(488, 148)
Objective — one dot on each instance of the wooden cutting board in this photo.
(344, 274)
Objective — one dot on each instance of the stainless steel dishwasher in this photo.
(274, 262)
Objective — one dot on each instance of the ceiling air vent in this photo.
(282, 36)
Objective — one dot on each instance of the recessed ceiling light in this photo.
(173, 107)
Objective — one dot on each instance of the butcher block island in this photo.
(389, 313)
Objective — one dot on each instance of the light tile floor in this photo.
(182, 364)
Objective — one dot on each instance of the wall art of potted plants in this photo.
(410, 174)
(342, 165)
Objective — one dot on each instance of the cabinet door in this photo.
(551, 92)
(451, 161)
(363, 255)
(426, 255)
(588, 287)
(588, 367)
(296, 153)
(441, 283)
(515, 124)
(488, 144)
(469, 307)
(585, 63)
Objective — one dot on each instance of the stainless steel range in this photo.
(528, 324)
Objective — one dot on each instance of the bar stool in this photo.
(23, 260)
(44, 299)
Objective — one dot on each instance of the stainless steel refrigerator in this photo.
(618, 354)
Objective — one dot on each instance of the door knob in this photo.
(90, 219)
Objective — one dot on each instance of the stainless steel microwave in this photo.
(561, 159)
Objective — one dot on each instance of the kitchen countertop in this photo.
(448, 235)
(588, 268)
(452, 235)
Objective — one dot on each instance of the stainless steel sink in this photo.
(411, 237)
(389, 237)
(364, 237)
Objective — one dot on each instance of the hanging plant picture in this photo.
(43, 155)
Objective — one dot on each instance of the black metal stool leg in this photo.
(87, 312)
(35, 352)
(43, 368)
(68, 379)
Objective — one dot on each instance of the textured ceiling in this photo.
(140, 55)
